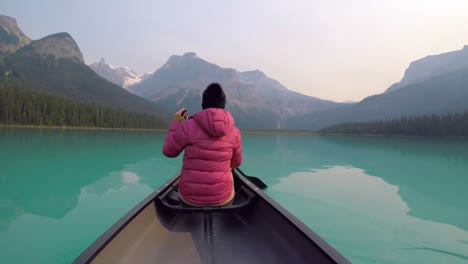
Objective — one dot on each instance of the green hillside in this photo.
(21, 106)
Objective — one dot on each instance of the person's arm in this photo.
(176, 138)
(236, 160)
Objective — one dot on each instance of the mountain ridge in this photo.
(441, 94)
(11, 36)
(254, 99)
(431, 66)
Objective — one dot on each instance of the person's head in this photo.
(214, 97)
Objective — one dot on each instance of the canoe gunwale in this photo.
(94, 249)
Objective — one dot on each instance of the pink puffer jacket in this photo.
(212, 146)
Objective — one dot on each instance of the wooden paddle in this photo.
(256, 181)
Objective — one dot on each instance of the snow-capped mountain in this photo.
(122, 76)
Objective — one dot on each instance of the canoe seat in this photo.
(171, 200)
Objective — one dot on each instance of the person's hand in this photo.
(180, 115)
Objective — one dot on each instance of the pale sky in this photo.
(332, 49)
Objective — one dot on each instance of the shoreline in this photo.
(155, 129)
(390, 136)
(84, 128)
(281, 132)
(246, 131)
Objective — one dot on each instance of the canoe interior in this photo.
(255, 233)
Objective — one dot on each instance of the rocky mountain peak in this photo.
(432, 66)
(11, 36)
(60, 45)
(254, 74)
(177, 59)
(190, 55)
(9, 23)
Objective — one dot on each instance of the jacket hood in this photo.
(216, 122)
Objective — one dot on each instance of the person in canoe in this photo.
(213, 146)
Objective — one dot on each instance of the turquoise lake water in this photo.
(375, 199)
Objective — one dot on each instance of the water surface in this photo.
(377, 200)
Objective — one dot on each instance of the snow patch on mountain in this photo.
(122, 76)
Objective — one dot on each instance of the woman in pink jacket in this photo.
(213, 146)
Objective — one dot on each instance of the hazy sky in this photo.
(331, 49)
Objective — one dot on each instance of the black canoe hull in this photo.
(260, 231)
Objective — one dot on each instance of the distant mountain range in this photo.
(435, 84)
(255, 100)
(55, 65)
(122, 76)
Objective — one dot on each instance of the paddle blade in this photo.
(257, 182)
(254, 180)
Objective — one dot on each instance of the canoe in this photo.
(253, 229)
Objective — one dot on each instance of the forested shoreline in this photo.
(449, 124)
(21, 106)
